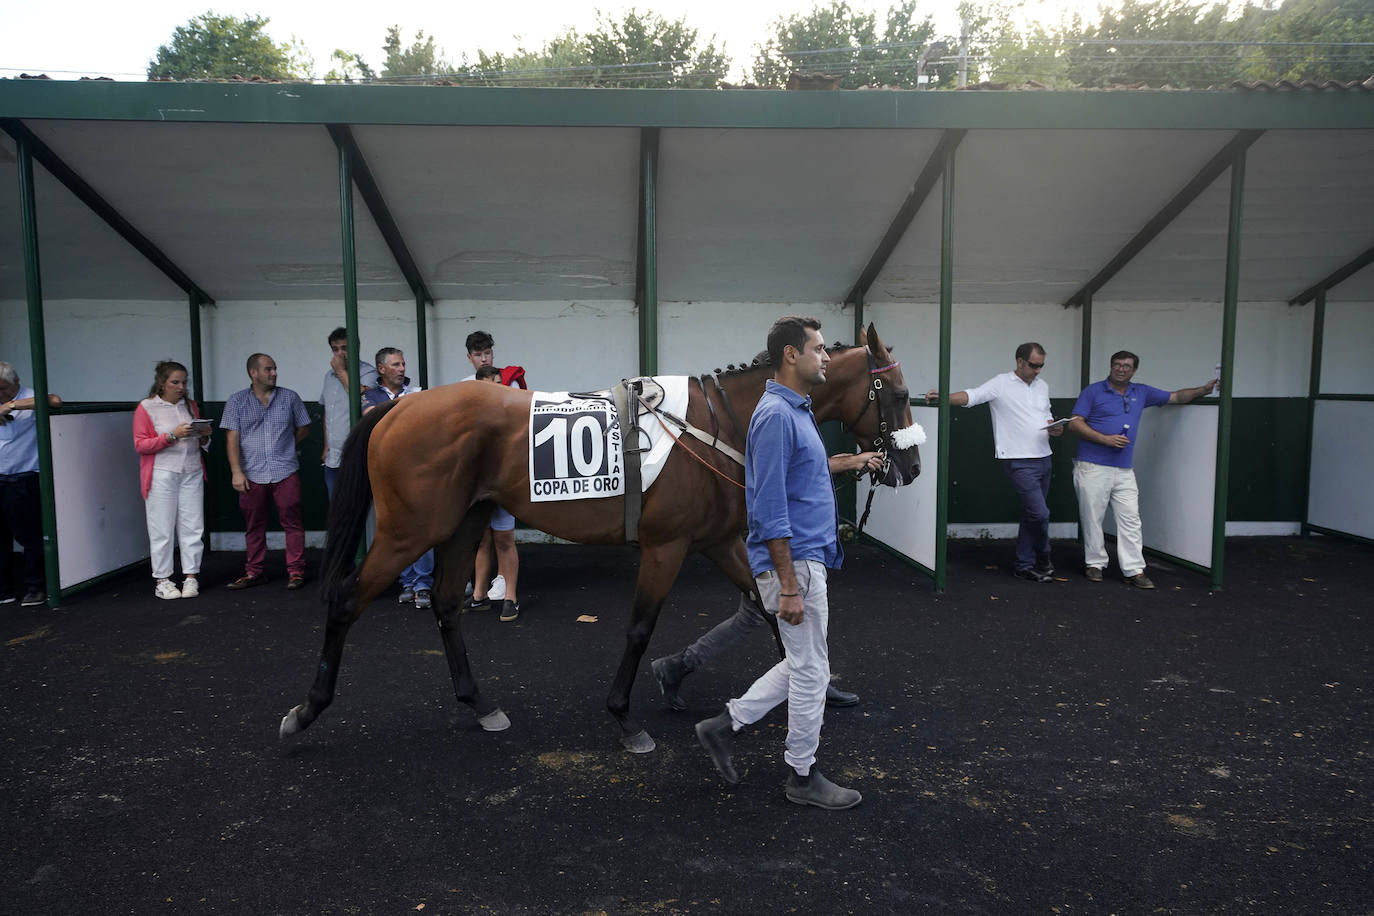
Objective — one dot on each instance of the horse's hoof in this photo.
(638, 743)
(290, 724)
(494, 721)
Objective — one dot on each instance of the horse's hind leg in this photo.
(453, 566)
(659, 565)
(379, 569)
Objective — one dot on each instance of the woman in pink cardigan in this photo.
(171, 470)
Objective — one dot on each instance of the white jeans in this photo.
(176, 516)
(1098, 486)
(801, 677)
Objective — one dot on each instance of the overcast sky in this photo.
(83, 38)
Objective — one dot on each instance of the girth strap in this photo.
(626, 396)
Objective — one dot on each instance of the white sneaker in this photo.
(190, 588)
(165, 589)
(497, 592)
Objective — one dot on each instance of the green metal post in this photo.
(1086, 366)
(648, 251)
(1228, 353)
(1314, 388)
(421, 341)
(350, 281)
(197, 366)
(33, 290)
(946, 335)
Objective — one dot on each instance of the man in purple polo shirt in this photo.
(1106, 417)
(792, 540)
(263, 425)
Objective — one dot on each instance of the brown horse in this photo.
(436, 462)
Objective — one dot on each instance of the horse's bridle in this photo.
(883, 442)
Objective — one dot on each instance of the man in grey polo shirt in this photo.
(263, 425)
(334, 400)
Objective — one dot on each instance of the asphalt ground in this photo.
(1066, 747)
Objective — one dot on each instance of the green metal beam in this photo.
(449, 105)
(422, 340)
(1314, 387)
(197, 362)
(1228, 354)
(381, 213)
(930, 173)
(942, 469)
(98, 205)
(1336, 277)
(350, 282)
(1085, 369)
(38, 350)
(1191, 191)
(646, 258)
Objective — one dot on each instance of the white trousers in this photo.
(176, 517)
(1099, 486)
(801, 677)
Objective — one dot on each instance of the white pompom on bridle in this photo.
(904, 439)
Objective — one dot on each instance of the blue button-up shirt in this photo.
(267, 435)
(787, 482)
(19, 439)
(1112, 413)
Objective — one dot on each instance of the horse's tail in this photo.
(348, 509)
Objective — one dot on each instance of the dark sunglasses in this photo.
(1034, 365)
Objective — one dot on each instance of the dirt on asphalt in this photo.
(1022, 748)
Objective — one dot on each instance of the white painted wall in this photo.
(697, 337)
(1179, 344)
(1342, 450)
(1349, 332)
(105, 351)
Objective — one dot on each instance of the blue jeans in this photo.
(1031, 479)
(420, 574)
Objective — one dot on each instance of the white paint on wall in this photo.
(1349, 333)
(101, 524)
(1340, 497)
(1179, 344)
(699, 337)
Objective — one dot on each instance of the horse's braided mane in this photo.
(762, 361)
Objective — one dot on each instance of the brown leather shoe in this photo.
(246, 582)
(295, 582)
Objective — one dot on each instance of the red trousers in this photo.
(286, 494)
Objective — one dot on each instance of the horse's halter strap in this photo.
(883, 441)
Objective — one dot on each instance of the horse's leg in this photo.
(453, 566)
(383, 564)
(658, 567)
(671, 670)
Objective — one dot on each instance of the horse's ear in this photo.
(871, 340)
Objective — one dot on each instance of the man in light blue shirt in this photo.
(263, 425)
(21, 505)
(334, 400)
(1106, 417)
(792, 541)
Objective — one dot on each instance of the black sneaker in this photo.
(1031, 575)
(34, 597)
(1045, 568)
(509, 610)
(476, 604)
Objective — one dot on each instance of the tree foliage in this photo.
(422, 58)
(1302, 34)
(210, 46)
(838, 41)
(638, 50)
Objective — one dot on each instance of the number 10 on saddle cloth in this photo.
(577, 448)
